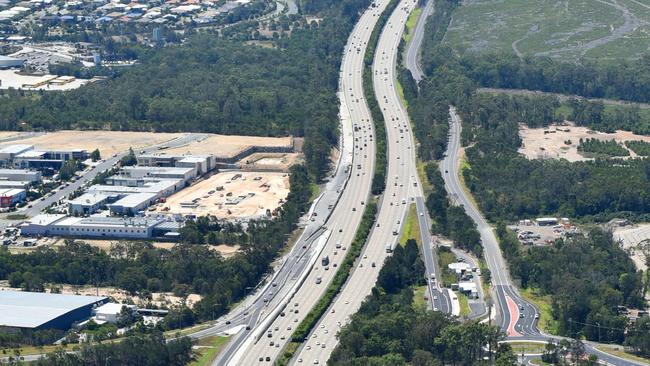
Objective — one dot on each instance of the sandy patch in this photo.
(270, 161)
(561, 142)
(108, 142)
(630, 237)
(255, 192)
(228, 145)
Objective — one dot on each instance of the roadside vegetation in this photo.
(579, 281)
(391, 328)
(411, 228)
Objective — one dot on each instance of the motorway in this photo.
(403, 189)
(277, 309)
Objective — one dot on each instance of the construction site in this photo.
(230, 195)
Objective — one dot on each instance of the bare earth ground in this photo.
(270, 161)
(538, 145)
(631, 236)
(224, 145)
(108, 142)
(268, 192)
(164, 299)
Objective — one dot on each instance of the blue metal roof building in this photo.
(37, 310)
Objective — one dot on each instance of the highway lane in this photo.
(413, 51)
(514, 315)
(403, 189)
(281, 316)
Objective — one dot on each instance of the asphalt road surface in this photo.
(515, 316)
(413, 50)
(296, 290)
(403, 189)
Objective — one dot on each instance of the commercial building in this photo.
(185, 174)
(110, 312)
(161, 187)
(7, 62)
(38, 310)
(31, 176)
(202, 163)
(87, 204)
(100, 227)
(8, 153)
(11, 196)
(131, 204)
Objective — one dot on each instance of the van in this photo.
(338, 244)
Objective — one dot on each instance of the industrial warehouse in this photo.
(38, 310)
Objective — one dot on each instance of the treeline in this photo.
(588, 277)
(450, 221)
(381, 161)
(389, 329)
(141, 350)
(141, 268)
(600, 148)
(597, 116)
(214, 85)
(434, 32)
(626, 80)
(641, 148)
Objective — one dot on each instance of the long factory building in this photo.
(102, 227)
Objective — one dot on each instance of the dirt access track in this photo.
(551, 142)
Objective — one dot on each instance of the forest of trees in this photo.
(641, 148)
(626, 80)
(141, 350)
(450, 220)
(141, 268)
(214, 85)
(588, 277)
(594, 147)
(389, 329)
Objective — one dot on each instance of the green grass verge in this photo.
(208, 350)
(411, 227)
(289, 350)
(410, 24)
(543, 303)
(16, 217)
(445, 257)
(464, 305)
(527, 347)
(315, 191)
(620, 351)
(418, 297)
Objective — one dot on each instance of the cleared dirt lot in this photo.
(108, 142)
(226, 146)
(631, 236)
(270, 161)
(551, 142)
(255, 192)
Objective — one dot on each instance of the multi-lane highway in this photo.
(275, 311)
(402, 189)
